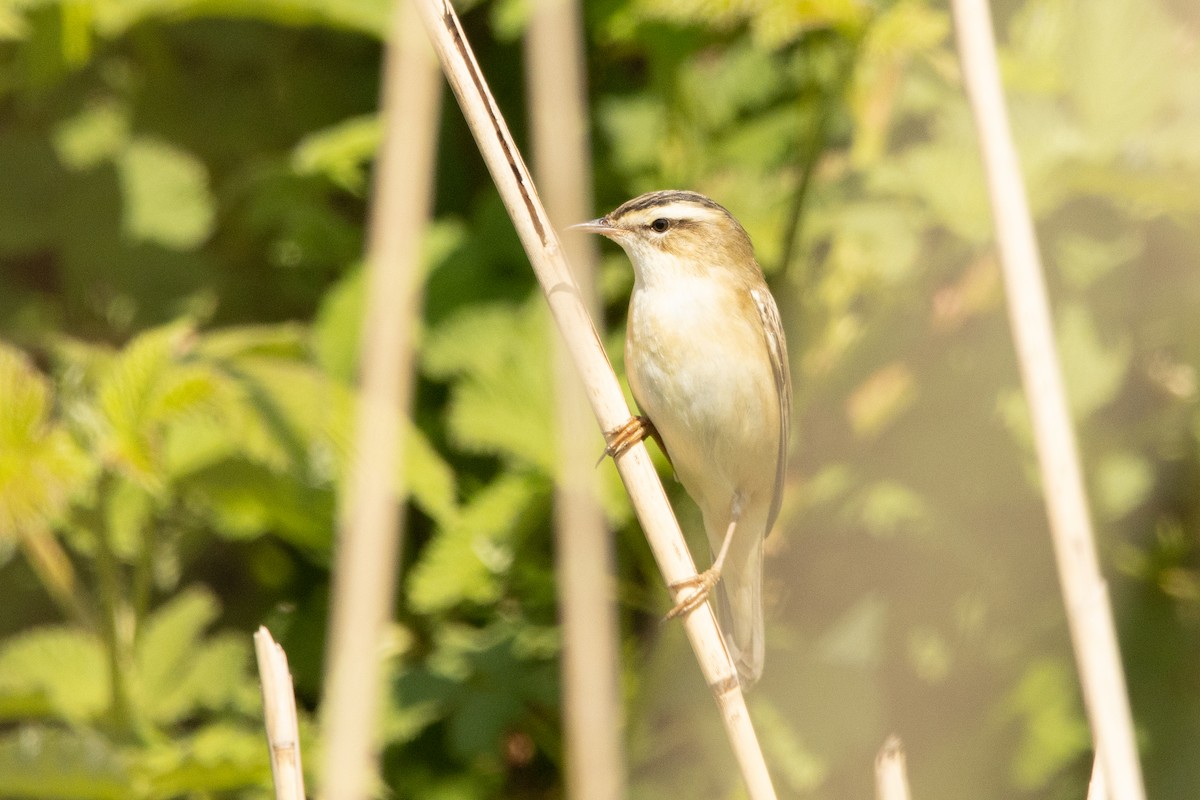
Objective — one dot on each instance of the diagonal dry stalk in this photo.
(369, 530)
(608, 404)
(1085, 594)
(583, 551)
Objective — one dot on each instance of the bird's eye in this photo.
(660, 225)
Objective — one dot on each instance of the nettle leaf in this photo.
(146, 389)
(305, 418)
(502, 399)
(56, 671)
(55, 764)
(467, 559)
(41, 467)
(216, 758)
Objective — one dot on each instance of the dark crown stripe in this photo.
(665, 198)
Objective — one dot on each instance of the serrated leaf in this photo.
(41, 467)
(502, 400)
(53, 670)
(1123, 481)
(53, 764)
(93, 136)
(465, 561)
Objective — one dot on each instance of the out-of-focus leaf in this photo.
(53, 671)
(53, 764)
(1116, 96)
(218, 757)
(502, 398)
(888, 508)
(95, 135)
(40, 465)
(167, 199)
(1083, 260)
(882, 397)
(340, 153)
(798, 766)
(166, 647)
(466, 561)
(1093, 371)
(1053, 731)
(114, 17)
(1123, 480)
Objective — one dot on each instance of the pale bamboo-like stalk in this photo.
(1097, 790)
(608, 404)
(891, 772)
(279, 717)
(554, 70)
(1085, 594)
(369, 521)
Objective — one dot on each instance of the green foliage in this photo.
(180, 303)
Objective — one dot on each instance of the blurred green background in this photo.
(183, 189)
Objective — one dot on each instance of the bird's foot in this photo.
(620, 439)
(701, 585)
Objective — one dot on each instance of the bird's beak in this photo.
(601, 226)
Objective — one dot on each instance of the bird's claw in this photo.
(620, 439)
(702, 586)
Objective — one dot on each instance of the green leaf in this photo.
(41, 467)
(95, 135)
(52, 764)
(217, 758)
(1123, 481)
(166, 195)
(465, 561)
(166, 649)
(1053, 731)
(75, 688)
(1093, 370)
(342, 152)
(502, 400)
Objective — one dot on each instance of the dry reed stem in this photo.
(584, 564)
(891, 772)
(279, 717)
(1085, 595)
(608, 404)
(1096, 787)
(369, 524)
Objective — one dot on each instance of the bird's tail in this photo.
(740, 611)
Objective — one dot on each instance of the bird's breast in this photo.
(698, 367)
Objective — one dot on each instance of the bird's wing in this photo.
(772, 327)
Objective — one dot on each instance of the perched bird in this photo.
(707, 362)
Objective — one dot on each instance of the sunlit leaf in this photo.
(41, 467)
(166, 194)
(53, 671)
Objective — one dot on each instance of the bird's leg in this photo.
(635, 430)
(704, 583)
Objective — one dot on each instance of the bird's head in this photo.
(668, 232)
